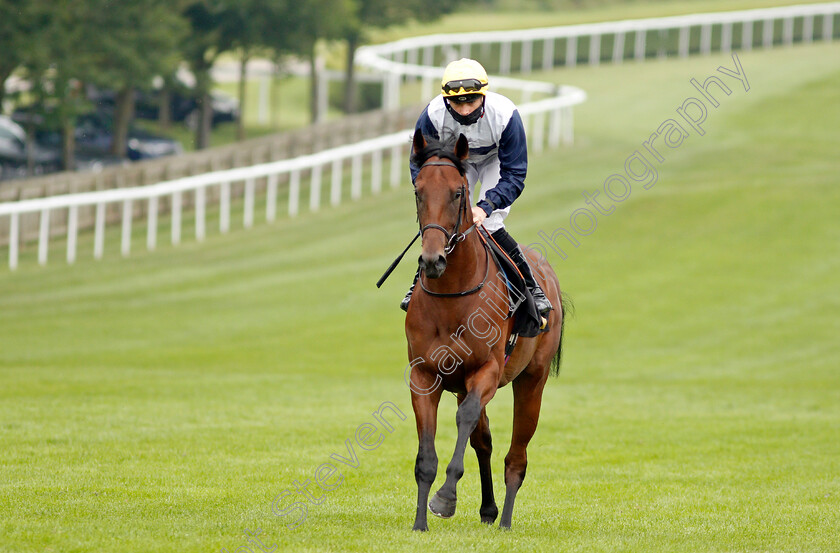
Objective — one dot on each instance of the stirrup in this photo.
(404, 303)
(542, 302)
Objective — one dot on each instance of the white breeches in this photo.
(488, 174)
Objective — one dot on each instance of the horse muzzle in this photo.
(432, 265)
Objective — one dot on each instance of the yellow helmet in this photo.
(464, 76)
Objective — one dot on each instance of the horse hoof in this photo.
(489, 516)
(442, 507)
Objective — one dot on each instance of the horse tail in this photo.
(566, 309)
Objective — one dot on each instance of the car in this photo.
(94, 134)
(183, 106)
(20, 159)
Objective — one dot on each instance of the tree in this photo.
(316, 20)
(20, 24)
(138, 41)
(58, 64)
(206, 40)
(383, 13)
(246, 26)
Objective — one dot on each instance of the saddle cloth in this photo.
(526, 319)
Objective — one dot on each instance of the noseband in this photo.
(452, 238)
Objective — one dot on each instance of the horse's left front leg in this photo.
(481, 387)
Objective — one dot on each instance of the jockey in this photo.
(498, 154)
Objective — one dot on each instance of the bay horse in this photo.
(457, 328)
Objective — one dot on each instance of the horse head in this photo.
(441, 190)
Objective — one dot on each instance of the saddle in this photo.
(527, 321)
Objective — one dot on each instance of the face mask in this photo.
(466, 119)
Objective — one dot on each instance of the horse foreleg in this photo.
(527, 397)
(425, 467)
(479, 391)
(482, 442)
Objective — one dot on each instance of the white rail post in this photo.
(250, 189)
(428, 55)
(72, 233)
(335, 185)
(526, 62)
(594, 49)
(315, 188)
(787, 31)
(618, 48)
(640, 45)
(396, 169)
(200, 213)
(271, 198)
(571, 51)
(412, 55)
(828, 27)
(224, 207)
(767, 33)
(356, 177)
(14, 240)
(321, 97)
(548, 54)
(176, 218)
(568, 124)
(44, 237)
(555, 130)
(662, 44)
(376, 172)
(125, 243)
(294, 193)
(99, 232)
(392, 91)
(808, 29)
(427, 87)
(504, 57)
(726, 38)
(151, 229)
(706, 39)
(685, 36)
(747, 35)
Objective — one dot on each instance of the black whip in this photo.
(397, 261)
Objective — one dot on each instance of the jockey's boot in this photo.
(513, 250)
(407, 298)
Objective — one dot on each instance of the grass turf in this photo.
(160, 402)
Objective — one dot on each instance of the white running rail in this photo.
(594, 43)
(398, 60)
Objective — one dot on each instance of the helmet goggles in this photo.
(463, 86)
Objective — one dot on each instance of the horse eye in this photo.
(457, 194)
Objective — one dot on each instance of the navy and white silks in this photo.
(498, 152)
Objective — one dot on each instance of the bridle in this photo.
(454, 237)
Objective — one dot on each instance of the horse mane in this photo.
(444, 149)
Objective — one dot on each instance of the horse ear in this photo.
(462, 147)
(419, 141)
